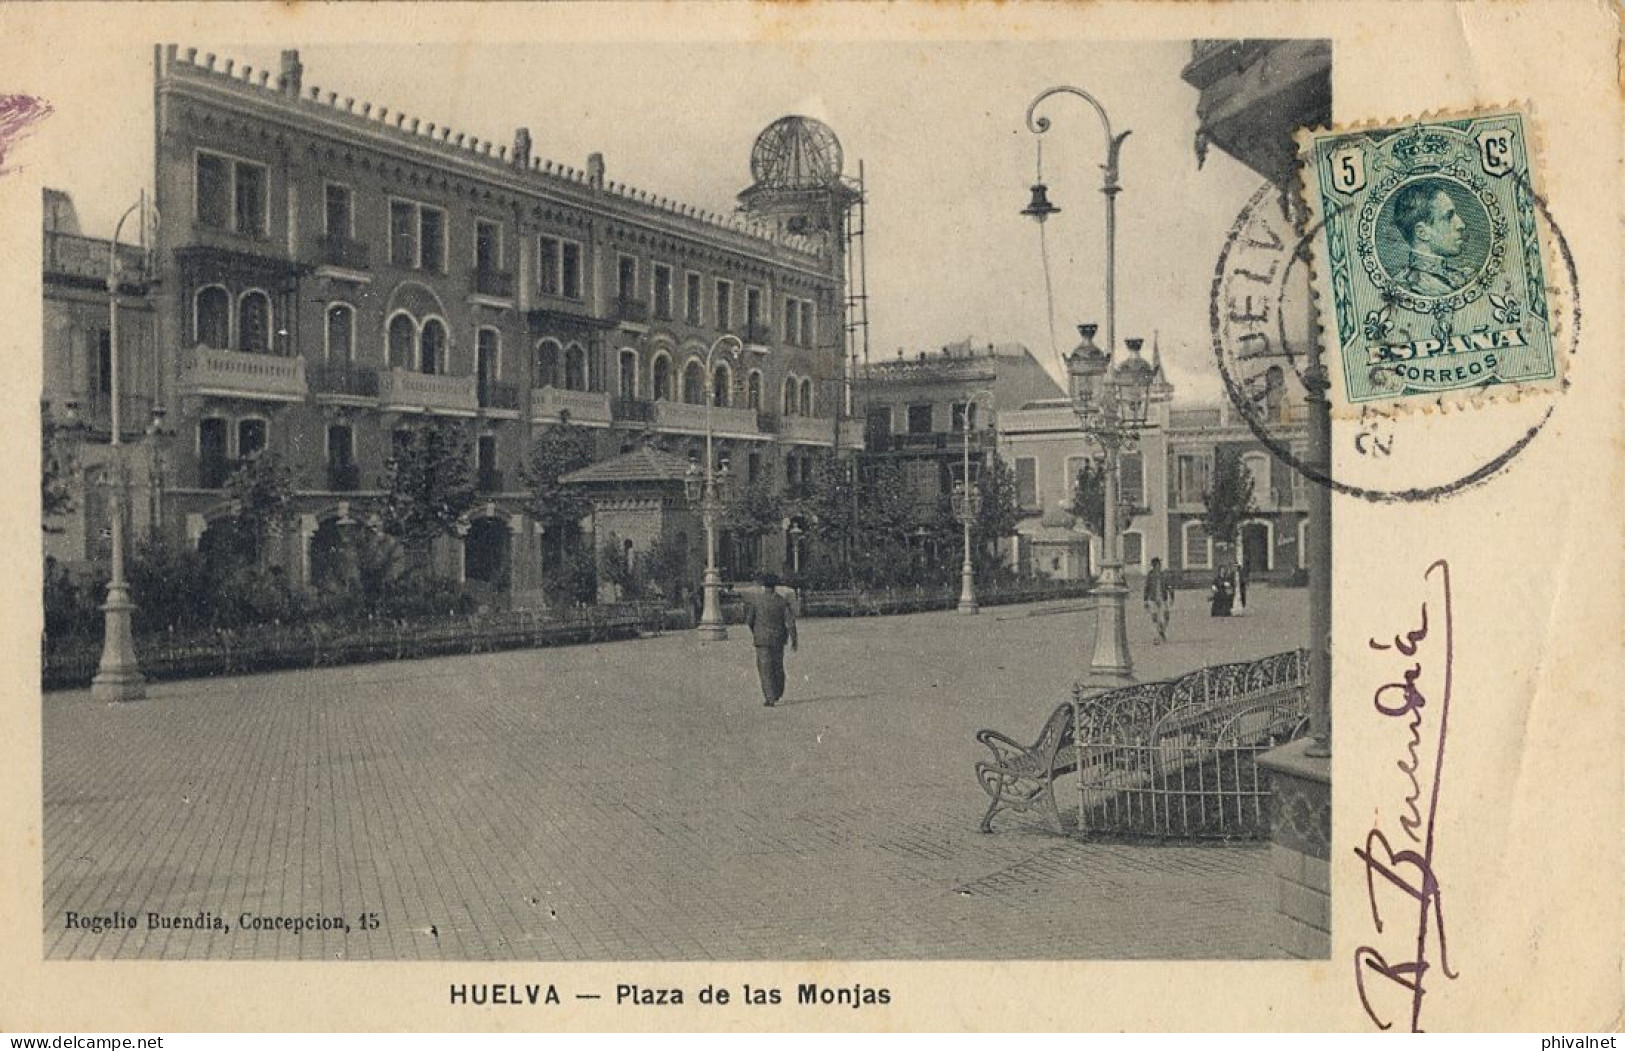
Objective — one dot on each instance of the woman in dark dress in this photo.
(1224, 594)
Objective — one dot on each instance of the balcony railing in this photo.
(212, 472)
(135, 413)
(633, 410)
(635, 311)
(489, 480)
(494, 395)
(236, 374)
(767, 422)
(497, 284)
(683, 416)
(345, 253)
(549, 403)
(343, 477)
(758, 333)
(418, 391)
(807, 429)
(347, 380)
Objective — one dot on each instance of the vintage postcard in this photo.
(822, 516)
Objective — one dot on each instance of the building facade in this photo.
(330, 274)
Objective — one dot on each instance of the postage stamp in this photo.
(1429, 259)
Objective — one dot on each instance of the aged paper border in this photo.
(1531, 810)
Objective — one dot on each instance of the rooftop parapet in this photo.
(287, 89)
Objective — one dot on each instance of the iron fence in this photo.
(1178, 758)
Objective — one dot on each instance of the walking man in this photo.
(1159, 598)
(772, 622)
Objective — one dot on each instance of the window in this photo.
(722, 382)
(487, 357)
(548, 354)
(487, 245)
(1026, 482)
(694, 382)
(691, 300)
(792, 321)
(753, 308)
(1131, 484)
(789, 407)
(254, 322)
(725, 305)
(403, 338)
(754, 393)
(807, 398)
(662, 305)
(570, 270)
(1196, 546)
(339, 218)
(340, 444)
(547, 265)
(790, 469)
(626, 281)
(231, 194)
(417, 236)
(629, 374)
(1191, 472)
(211, 451)
(575, 368)
(400, 441)
(1258, 468)
(808, 323)
(250, 438)
(962, 416)
(753, 465)
(485, 455)
(660, 379)
(213, 321)
(432, 347)
(340, 334)
(1133, 550)
(919, 419)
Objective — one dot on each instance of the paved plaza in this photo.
(633, 801)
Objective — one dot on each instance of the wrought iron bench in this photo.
(1019, 777)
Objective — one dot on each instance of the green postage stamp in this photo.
(1429, 258)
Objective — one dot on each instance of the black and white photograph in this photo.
(583, 506)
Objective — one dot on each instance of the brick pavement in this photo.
(633, 801)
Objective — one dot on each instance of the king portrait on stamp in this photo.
(1429, 256)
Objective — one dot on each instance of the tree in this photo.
(751, 512)
(558, 450)
(828, 509)
(260, 491)
(1229, 501)
(56, 476)
(429, 485)
(1000, 509)
(1089, 500)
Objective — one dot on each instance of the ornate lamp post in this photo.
(967, 500)
(1112, 403)
(118, 676)
(702, 488)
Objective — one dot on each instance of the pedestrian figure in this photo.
(1223, 593)
(1159, 598)
(1242, 575)
(772, 623)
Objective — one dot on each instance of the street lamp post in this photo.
(118, 677)
(967, 505)
(711, 627)
(1110, 401)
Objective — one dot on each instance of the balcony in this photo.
(212, 472)
(135, 414)
(681, 416)
(583, 406)
(503, 397)
(767, 422)
(632, 410)
(343, 381)
(489, 480)
(343, 477)
(758, 334)
(493, 284)
(405, 391)
(232, 373)
(344, 253)
(631, 311)
(813, 429)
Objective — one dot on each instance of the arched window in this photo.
(789, 408)
(722, 385)
(754, 390)
(432, 345)
(575, 368)
(250, 437)
(694, 382)
(213, 321)
(403, 340)
(807, 398)
(340, 334)
(629, 374)
(660, 378)
(254, 322)
(547, 364)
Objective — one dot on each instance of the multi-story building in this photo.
(330, 273)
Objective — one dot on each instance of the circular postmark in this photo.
(1264, 326)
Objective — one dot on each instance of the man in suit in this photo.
(772, 623)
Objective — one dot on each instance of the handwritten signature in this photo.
(1409, 871)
